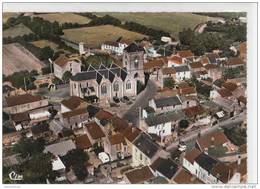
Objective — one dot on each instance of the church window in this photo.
(116, 86)
(128, 84)
(103, 89)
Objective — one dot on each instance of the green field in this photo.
(95, 36)
(169, 22)
(17, 30)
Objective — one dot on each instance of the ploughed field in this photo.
(16, 58)
(95, 36)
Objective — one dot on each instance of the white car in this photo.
(182, 147)
(103, 157)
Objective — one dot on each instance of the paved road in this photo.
(141, 101)
(191, 137)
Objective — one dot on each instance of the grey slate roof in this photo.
(146, 145)
(164, 118)
(133, 47)
(102, 72)
(206, 162)
(167, 167)
(60, 148)
(181, 68)
(169, 101)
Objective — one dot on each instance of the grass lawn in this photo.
(45, 43)
(169, 22)
(95, 36)
(64, 17)
(17, 30)
(217, 151)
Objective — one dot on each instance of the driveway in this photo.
(132, 114)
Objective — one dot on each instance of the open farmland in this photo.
(95, 36)
(169, 22)
(16, 58)
(7, 15)
(64, 17)
(17, 30)
(45, 43)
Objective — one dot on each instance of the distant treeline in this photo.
(226, 15)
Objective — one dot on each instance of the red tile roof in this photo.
(62, 60)
(22, 99)
(185, 53)
(224, 92)
(184, 177)
(195, 65)
(103, 115)
(131, 133)
(210, 66)
(216, 139)
(188, 90)
(235, 61)
(194, 111)
(76, 112)
(167, 71)
(156, 63)
(94, 130)
(119, 124)
(243, 48)
(242, 99)
(175, 59)
(139, 175)
(73, 102)
(230, 86)
(116, 139)
(191, 155)
(83, 142)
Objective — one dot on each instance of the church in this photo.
(113, 81)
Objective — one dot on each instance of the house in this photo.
(138, 176)
(201, 75)
(163, 124)
(21, 120)
(204, 60)
(95, 133)
(195, 112)
(117, 124)
(188, 91)
(166, 168)
(113, 47)
(102, 118)
(58, 166)
(116, 147)
(188, 101)
(23, 103)
(145, 150)
(130, 134)
(60, 148)
(184, 177)
(104, 83)
(188, 160)
(83, 142)
(234, 62)
(221, 93)
(169, 72)
(164, 104)
(182, 73)
(75, 118)
(72, 103)
(213, 58)
(240, 167)
(185, 55)
(174, 61)
(214, 140)
(214, 72)
(65, 63)
(41, 131)
(154, 68)
(195, 67)
(147, 111)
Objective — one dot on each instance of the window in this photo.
(128, 84)
(116, 86)
(141, 157)
(103, 89)
(136, 63)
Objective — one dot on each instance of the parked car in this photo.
(126, 98)
(182, 146)
(104, 157)
(116, 99)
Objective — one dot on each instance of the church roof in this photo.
(102, 72)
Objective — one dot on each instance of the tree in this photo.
(28, 147)
(77, 159)
(66, 76)
(183, 124)
(169, 82)
(46, 53)
(38, 169)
